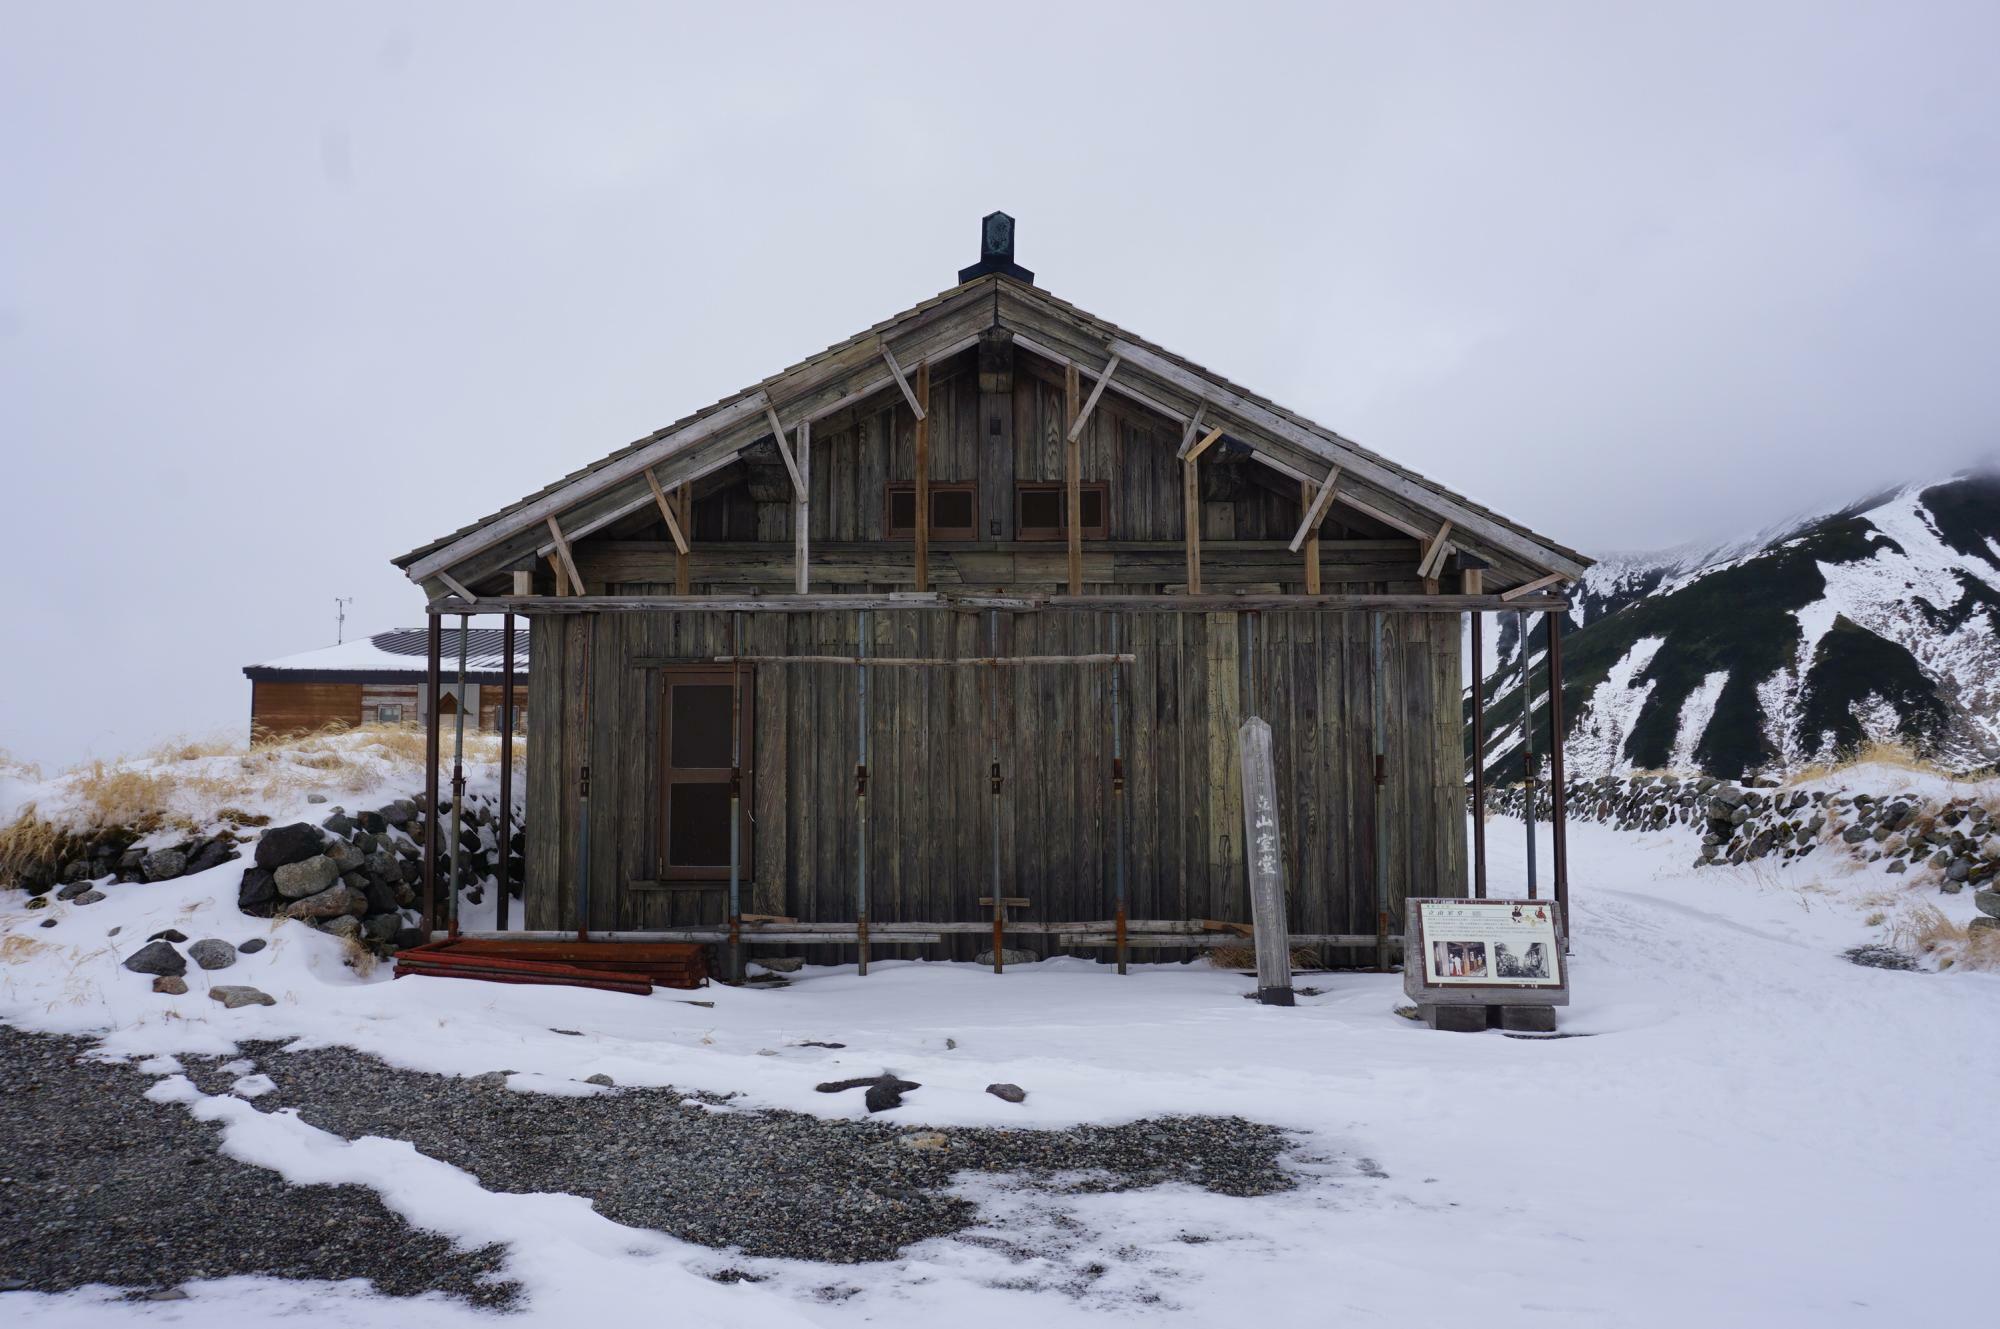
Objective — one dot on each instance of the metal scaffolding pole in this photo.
(736, 803)
(1558, 819)
(1478, 754)
(1117, 808)
(1527, 741)
(861, 800)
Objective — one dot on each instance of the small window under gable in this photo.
(954, 511)
(1041, 510)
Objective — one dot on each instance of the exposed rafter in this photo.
(1083, 416)
(896, 372)
(1316, 513)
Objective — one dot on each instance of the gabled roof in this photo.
(393, 657)
(867, 364)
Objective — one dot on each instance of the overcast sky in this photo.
(288, 289)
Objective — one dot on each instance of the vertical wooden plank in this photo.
(1191, 521)
(1073, 480)
(922, 467)
(1312, 540)
(683, 570)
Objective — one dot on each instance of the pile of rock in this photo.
(1757, 820)
(161, 958)
(82, 862)
(352, 876)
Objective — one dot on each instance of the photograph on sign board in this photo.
(1531, 961)
(1459, 959)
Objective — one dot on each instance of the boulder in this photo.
(257, 891)
(252, 946)
(173, 985)
(74, 889)
(346, 925)
(600, 1079)
(232, 995)
(329, 903)
(781, 964)
(210, 854)
(925, 1141)
(307, 876)
(397, 812)
(174, 935)
(375, 822)
(346, 857)
(381, 900)
(338, 823)
(212, 953)
(1008, 1093)
(315, 798)
(288, 844)
(163, 864)
(887, 1093)
(156, 957)
(1987, 902)
(89, 897)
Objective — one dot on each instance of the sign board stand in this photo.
(1472, 964)
(1266, 864)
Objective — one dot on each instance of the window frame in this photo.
(965, 534)
(669, 775)
(382, 709)
(1060, 531)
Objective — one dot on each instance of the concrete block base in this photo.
(1528, 1019)
(1455, 1019)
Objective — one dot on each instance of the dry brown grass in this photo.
(1896, 756)
(1245, 957)
(30, 844)
(1924, 929)
(17, 949)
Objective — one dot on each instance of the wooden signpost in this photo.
(1266, 862)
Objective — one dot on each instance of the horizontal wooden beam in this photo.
(1529, 588)
(806, 604)
(908, 662)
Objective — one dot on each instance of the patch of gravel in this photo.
(100, 1185)
(772, 1184)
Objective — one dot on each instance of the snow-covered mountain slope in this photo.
(1879, 622)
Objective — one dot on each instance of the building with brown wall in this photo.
(379, 680)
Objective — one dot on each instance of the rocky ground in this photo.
(775, 1184)
(100, 1185)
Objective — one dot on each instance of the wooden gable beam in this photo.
(1368, 470)
(683, 565)
(1083, 416)
(784, 450)
(1193, 426)
(1194, 453)
(1434, 554)
(1316, 510)
(667, 511)
(568, 563)
(1312, 539)
(896, 372)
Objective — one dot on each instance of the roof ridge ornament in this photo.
(996, 251)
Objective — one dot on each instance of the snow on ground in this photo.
(1749, 1130)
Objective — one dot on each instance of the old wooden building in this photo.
(961, 615)
(377, 679)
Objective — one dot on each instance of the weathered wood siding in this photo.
(595, 687)
(297, 708)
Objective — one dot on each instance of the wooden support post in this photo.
(736, 804)
(1433, 556)
(992, 681)
(1193, 428)
(458, 780)
(524, 581)
(922, 401)
(1527, 739)
(1073, 477)
(683, 570)
(1117, 808)
(506, 851)
(432, 668)
(861, 797)
(1478, 751)
(1378, 733)
(1312, 539)
(802, 514)
(1558, 820)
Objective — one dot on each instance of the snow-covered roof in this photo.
(398, 653)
